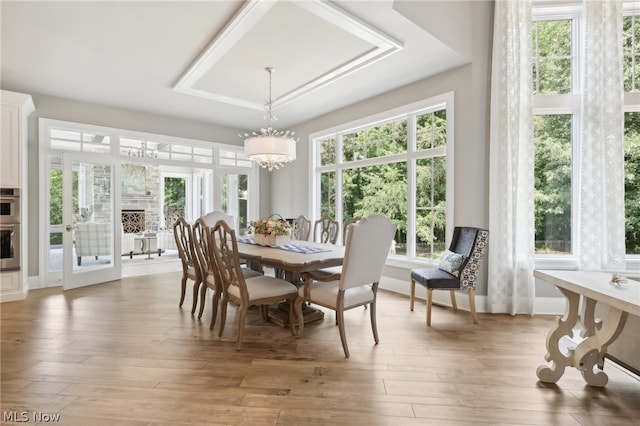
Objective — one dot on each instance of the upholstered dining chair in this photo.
(457, 270)
(325, 230)
(301, 228)
(366, 251)
(345, 228)
(190, 267)
(338, 269)
(262, 290)
(211, 218)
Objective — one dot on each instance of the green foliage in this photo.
(552, 57)
(632, 181)
(174, 192)
(552, 182)
(55, 195)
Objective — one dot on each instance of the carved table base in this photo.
(588, 355)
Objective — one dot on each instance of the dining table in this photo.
(289, 261)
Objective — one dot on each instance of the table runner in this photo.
(297, 248)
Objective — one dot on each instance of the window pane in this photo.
(328, 151)
(328, 194)
(551, 50)
(378, 189)
(631, 51)
(552, 176)
(375, 142)
(632, 181)
(430, 207)
(431, 130)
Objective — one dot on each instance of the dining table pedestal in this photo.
(279, 314)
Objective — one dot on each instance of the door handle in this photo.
(69, 228)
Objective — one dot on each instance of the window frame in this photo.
(570, 104)
(439, 102)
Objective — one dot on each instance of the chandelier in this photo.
(270, 148)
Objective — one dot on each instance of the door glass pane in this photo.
(175, 200)
(93, 216)
(55, 218)
(235, 201)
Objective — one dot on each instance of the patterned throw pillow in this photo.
(451, 262)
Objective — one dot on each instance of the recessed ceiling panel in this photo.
(310, 44)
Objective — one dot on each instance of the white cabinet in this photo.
(16, 108)
(10, 171)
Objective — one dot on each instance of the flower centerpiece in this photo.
(271, 232)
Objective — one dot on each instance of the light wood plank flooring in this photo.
(123, 353)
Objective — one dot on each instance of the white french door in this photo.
(91, 228)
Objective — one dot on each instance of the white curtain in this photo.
(601, 206)
(511, 242)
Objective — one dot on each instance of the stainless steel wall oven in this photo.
(9, 229)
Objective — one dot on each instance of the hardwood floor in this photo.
(124, 353)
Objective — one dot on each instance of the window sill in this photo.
(405, 263)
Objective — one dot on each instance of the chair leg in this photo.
(242, 313)
(472, 306)
(429, 300)
(343, 337)
(215, 301)
(413, 294)
(184, 289)
(196, 287)
(223, 314)
(203, 295)
(374, 325)
(454, 305)
(297, 305)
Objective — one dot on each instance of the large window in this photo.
(556, 63)
(393, 164)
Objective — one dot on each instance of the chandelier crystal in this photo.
(270, 148)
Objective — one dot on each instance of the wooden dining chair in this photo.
(190, 266)
(261, 290)
(208, 268)
(325, 230)
(301, 228)
(366, 251)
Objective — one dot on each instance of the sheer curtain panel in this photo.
(511, 254)
(601, 206)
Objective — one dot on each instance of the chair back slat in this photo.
(182, 235)
(223, 244)
(325, 230)
(301, 228)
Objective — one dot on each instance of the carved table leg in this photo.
(564, 327)
(588, 356)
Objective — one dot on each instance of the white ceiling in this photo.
(205, 60)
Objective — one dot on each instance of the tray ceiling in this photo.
(205, 60)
